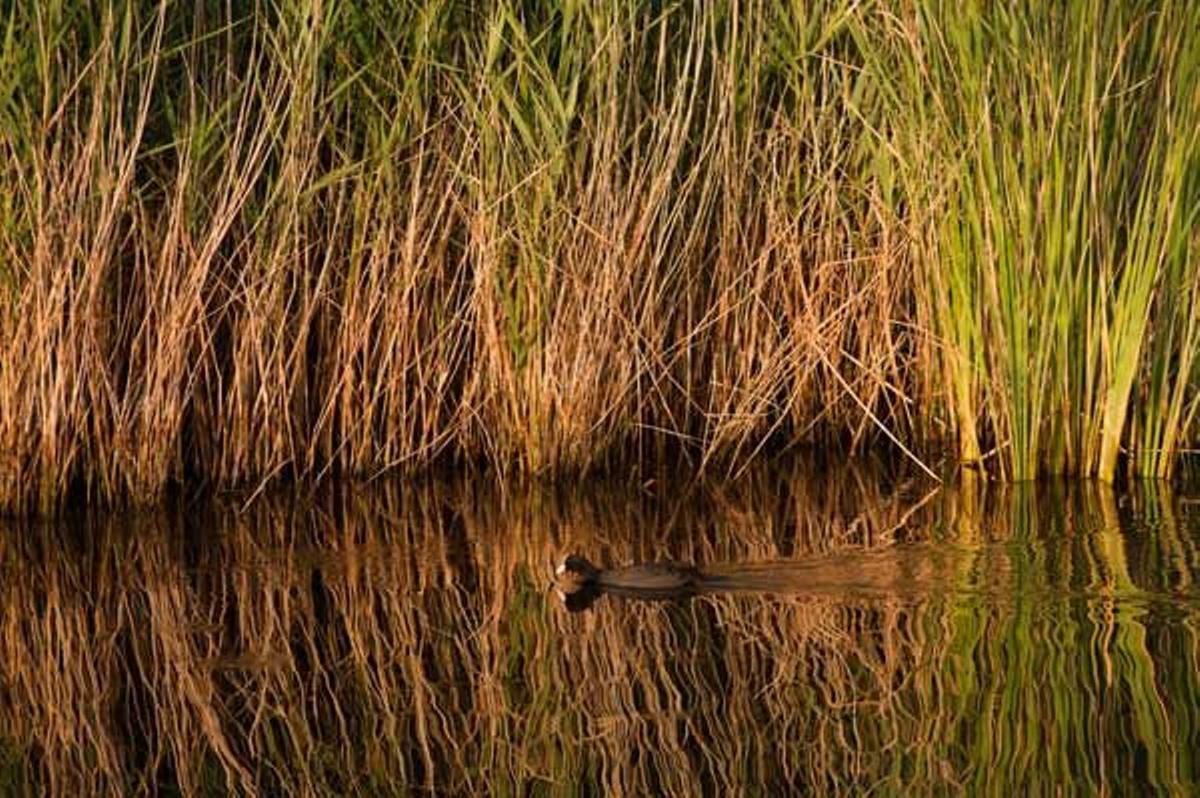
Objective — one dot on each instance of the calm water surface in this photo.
(884, 637)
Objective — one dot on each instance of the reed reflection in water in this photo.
(406, 640)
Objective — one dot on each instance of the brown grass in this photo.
(250, 248)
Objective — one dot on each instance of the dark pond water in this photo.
(885, 637)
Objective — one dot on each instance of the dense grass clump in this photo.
(244, 241)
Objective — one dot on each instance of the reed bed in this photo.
(397, 642)
(1052, 154)
(267, 240)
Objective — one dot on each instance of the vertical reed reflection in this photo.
(403, 639)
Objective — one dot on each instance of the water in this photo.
(884, 637)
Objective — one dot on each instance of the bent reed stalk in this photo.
(290, 238)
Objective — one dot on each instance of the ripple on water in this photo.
(863, 631)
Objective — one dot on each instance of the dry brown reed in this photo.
(296, 241)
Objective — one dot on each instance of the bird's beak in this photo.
(561, 569)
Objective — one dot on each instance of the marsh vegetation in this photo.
(240, 242)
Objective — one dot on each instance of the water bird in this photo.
(576, 576)
(884, 572)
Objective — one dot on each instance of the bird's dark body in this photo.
(580, 582)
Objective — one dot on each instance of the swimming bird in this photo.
(647, 580)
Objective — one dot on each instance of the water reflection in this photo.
(407, 639)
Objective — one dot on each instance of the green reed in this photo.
(1061, 196)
